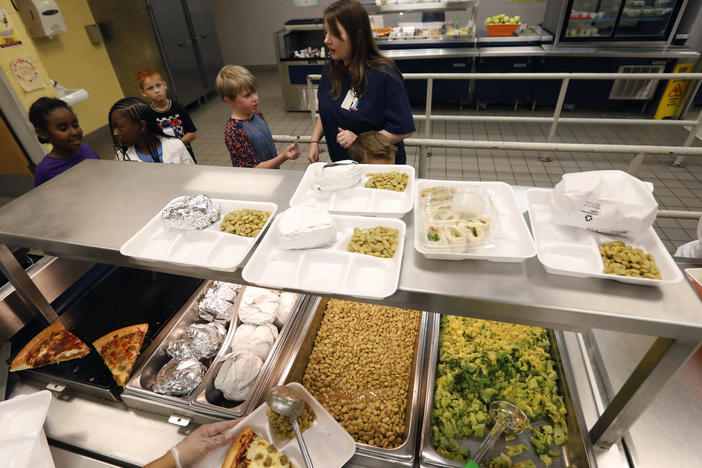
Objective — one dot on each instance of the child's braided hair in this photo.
(136, 110)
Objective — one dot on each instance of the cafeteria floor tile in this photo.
(677, 188)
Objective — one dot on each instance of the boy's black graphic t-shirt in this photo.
(174, 121)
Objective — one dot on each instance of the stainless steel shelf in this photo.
(420, 7)
(88, 212)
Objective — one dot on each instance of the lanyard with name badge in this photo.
(350, 102)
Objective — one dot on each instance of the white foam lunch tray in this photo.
(513, 242)
(571, 251)
(358, 200)
(23, 443)
(328, 444)
(330, 270)
(208, 248)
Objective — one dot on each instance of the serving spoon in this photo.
(288, 402)
(508, 418)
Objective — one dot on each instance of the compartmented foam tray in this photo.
(512, 242)
(210, 400)
(209, 248)
(330, 270)
(328, 444)
(358, 200)
(571, 251)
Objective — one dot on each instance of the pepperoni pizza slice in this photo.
(250, 450)
(120, 349)
(52, 345)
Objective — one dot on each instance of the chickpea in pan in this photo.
(360, 366)
(247, 223)
(625, 260)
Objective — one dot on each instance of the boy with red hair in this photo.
(171, 116)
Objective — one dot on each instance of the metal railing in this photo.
(639, 151)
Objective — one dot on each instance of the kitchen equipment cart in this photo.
(59, 219)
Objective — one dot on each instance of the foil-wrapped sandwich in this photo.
(305, 227)
(179, 377)
(188, 213)
(285, 307)
(258, 339)
(206, 338)
(213, 308)
(259, 306)
(338, 175)
(181, 349)
(222, 292)
(237, 375)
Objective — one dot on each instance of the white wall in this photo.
(245, 27)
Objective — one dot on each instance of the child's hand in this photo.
(345, 137)
(292, 151)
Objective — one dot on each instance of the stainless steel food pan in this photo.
(574, 454)
(366, 455)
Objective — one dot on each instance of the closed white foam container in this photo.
(328, 444)
(572, 251)
(210, 247)
(358, 200)
(23, 443)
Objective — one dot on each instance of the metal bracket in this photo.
(54, 387)
(25, 287)
(181, 421)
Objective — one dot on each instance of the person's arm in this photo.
(399, 123)
(394, 137)
(240, 150)
(189, 129)
(291, 152)
(189, 137)
(196, 445)
(317, 132)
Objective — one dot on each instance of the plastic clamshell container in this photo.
(208, 248)
(23, 443)
(571, 251)
(358, 200)
(513, 242)
(329, 445)
(695, 276)
(502, 30)
(330, 270)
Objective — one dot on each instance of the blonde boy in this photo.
(247, 135)
(372, 148)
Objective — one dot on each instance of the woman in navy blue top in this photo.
(360, 90)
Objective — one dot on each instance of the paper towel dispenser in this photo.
(42, 18)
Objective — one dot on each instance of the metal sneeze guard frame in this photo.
(640, 151)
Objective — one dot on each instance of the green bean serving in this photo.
(378, 241)
(624, 260)
(247, 223)
(395, 181)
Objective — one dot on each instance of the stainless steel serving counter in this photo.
(88, 212)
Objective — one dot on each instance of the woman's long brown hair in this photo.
(352, 16)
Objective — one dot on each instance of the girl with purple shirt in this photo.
(55, 123)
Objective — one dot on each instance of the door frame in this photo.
(16, 117)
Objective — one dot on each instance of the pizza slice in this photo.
(250, 450)
(120, 349)
(52, 345)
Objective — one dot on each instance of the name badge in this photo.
(350, 102)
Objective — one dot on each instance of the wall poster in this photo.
(8, 33)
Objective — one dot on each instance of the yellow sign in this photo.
(669, 107)
(8, 34)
